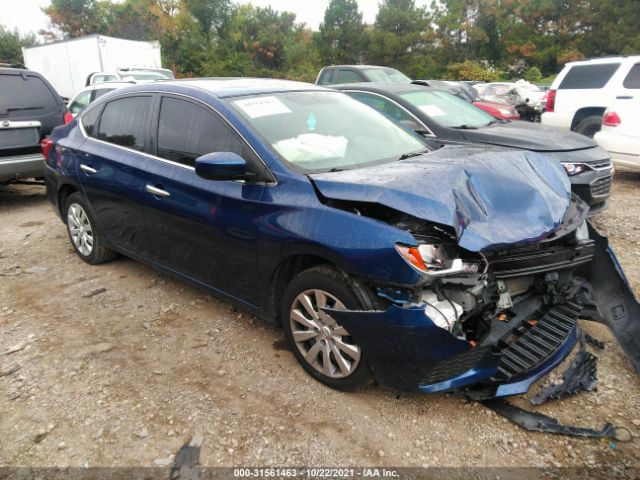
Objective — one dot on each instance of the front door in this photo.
(204, 229)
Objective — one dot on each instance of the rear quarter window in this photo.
(25, 94)
(581, 77)
(632, 80)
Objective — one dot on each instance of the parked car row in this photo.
(428, 269)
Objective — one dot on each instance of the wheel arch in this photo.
(585, 112)
(64, 191)
(296, 263)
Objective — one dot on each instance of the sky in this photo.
(26, 16)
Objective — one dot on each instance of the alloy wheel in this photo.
(80, 229)
(324, 344)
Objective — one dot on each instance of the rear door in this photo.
(204, 229)
(111, 168)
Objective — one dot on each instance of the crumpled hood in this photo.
(530, 136)
(491, 197)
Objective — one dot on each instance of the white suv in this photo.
(620, 134)
(582, 92)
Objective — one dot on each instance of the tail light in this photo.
(611, 119)
(68, 118)
(551, 101)
(47, 145)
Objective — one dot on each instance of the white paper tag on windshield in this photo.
(431, 110)
(262, 106)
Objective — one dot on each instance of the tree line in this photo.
(456, 39)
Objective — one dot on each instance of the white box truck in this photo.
(68, 64)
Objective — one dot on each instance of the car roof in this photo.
(18, 71)
(381, 87)
(359, 67)
(224, 87)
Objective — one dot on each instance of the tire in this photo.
(323, 284)
(85, 238)
(590, 125)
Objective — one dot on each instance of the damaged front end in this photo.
(494, 321)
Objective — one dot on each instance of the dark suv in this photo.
(29, 109)
(336, 74)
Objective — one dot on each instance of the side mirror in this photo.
(221, 166)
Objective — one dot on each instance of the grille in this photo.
(602, 186)
(450, 367)
(535, 343)
(599, 163)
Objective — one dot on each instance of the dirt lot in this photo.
(120, 365)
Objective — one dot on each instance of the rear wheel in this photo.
(86, 240)
(590, 125)
(324, 348)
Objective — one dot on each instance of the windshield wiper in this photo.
(466, 127)
(404, 156)
(336, 169)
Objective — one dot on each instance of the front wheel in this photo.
(86, 240)
(324, 348)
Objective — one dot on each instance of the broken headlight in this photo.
(575, 168)
(434, 261)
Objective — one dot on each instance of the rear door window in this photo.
(187, 131)
(632, 80)
(25, 94)
(348, 76)
(582, 77)
(98, 92)
(384, 105)
(325, 77)
(124, 122)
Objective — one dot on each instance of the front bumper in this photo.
(407, 351)
(29, 165)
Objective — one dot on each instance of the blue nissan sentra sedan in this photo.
(465, 267)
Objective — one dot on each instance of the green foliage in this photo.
(11, 43)
(400, 37)
(452, 38)
(341, 34)
(470, 70)
(533, 75)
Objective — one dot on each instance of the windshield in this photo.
(322, 131)
(448, 110)
(386, 75)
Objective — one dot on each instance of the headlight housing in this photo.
(575, 168)
(433, 261)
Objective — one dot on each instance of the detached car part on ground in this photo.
(443, 119)
(466, 267)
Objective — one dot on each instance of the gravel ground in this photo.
(119, 365)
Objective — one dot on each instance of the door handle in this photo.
(624, 97)
(157, 191)
(87, 169)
